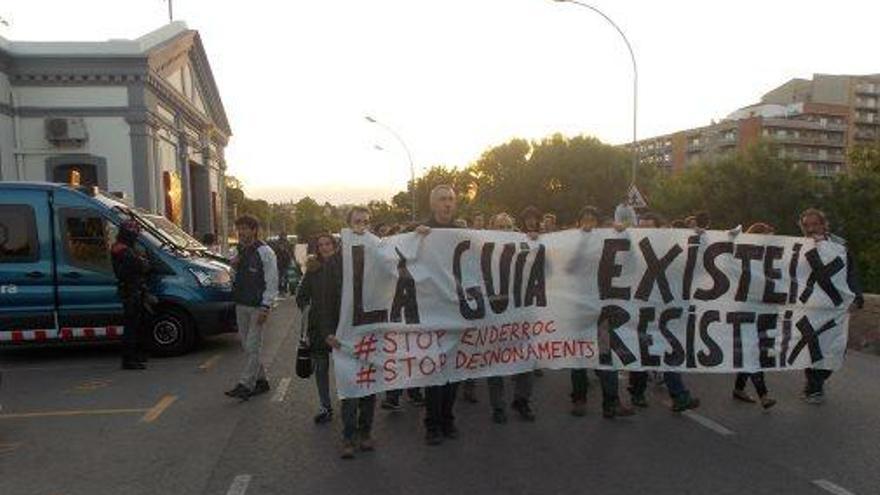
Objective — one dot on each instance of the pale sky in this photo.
(454, 77)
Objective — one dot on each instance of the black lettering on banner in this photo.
(766, 322)
(535, 292)
(609, 270)
(690, 265)
(746, 253)
(474, 294)
(786, 339)
(497, 301)
(361, 317)
(737, 319)
(655, 272)
(720, 282)
(821, 274)
(610, 319)
(405, 302)
(690, 337)
(771, 273)
(676, 356)
(715, 356)
(810, 339)
(646, 316)
(792, 273)
(518, 273)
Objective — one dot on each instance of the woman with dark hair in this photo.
(321, 291)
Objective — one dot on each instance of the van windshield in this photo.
(164, 230)
(177, 235)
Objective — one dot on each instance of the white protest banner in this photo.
(422, 310)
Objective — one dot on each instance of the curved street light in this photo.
(632, 57)
(412, 169)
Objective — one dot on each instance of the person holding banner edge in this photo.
(814, 224)
(321, 289)
(440, 399)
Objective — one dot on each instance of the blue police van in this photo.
(56, 279)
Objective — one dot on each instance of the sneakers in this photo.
(814, 398)
(133, 365)
(324, 416)
(767, 402)
(239, 392)
(450, 432)
(261, 387)
(499, 416)
(391, 405)
(347, 449)
(684, 403)
(416, 398)
(579, 408)
(610, 411)
(433, 437)
(639, 400)
(522, 407)
(743, 396)
(366, 443)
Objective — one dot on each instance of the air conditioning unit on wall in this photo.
(62, 131)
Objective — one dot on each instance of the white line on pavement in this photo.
(281, 391)
(239, 485)
(708, 423)
(832, 488)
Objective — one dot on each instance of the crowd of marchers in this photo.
(259, 277)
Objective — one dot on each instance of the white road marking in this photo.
(832, 488)
(708, 423)
(281, 391)
(239, 485)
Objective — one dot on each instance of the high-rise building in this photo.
(812, 122)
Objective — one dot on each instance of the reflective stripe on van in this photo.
(66, 333)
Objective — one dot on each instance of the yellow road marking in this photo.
(6, 448)
(210, 362)
(90, 386)
(154, 412)
(75, 412)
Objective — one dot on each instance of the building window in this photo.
(18, 234)
(77, 170)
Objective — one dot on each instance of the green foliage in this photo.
(313, 218)
(740, 189)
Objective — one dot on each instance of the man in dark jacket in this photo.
(131, 269)
(254, 290)
(440, 399)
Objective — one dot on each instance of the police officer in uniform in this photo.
(131, 268)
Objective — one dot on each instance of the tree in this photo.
(753, 185)
(853, 205)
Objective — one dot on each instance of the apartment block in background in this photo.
(814, 123)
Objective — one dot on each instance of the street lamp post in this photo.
(412, 168)
(632, 56)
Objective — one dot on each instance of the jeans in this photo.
(439, 401)
(322, 379)
(352, 422)
(638, 384)
(250, 333)
(133, 335)
(815, 380)
(757, 381)
(522, 389)
(607, 381)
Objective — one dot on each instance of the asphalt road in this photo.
(73, 423)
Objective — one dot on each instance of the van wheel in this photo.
(171, 332)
